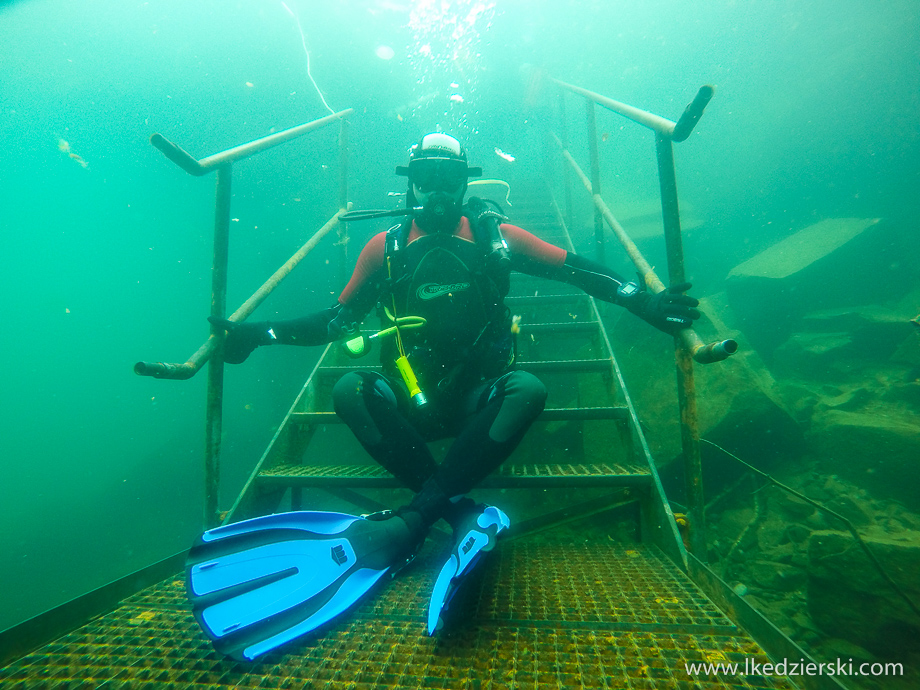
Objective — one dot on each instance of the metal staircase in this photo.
(579, 595)
(593, 591)
(562, 341)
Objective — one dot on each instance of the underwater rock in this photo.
(907, 393)
(818, 268)
(877, 331)
(817, 521)
(797, 533)
(843, 343)
(756, 428)
(851, 510)
(848, 598)
(852, 399)
(778, 577)
(741, 406)
(835, 648)
(734, 521)
(641, 217)
(812, 355)
(877, 450)
(771, 537)
(792, 507)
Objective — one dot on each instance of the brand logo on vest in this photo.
(432, 290)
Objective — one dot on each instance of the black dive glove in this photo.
(243, 338)
(668, 311)
(342, 325)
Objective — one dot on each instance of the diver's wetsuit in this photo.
(489, 415)
(488, 409)
(462, 356)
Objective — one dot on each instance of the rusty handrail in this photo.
(222, 164)
(675, 131)
(688, 345)
(186, 370)
(201, 167)
(703, 353)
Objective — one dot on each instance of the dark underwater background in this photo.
(106, 245)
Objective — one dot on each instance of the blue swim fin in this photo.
(257, 584)
(475, 535)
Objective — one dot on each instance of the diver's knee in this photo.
(528, 389)
(347, 391)
(356, 389)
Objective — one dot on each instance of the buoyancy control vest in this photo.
(458, 287)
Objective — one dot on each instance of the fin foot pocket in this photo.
(475, 535)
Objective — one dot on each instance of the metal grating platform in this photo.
(544, 613)
(508, 476)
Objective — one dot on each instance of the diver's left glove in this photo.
(243, 338)
(669, 310)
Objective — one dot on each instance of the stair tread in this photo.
(591, 474)
(521, 363)
(601, 469)
(548, 415)
(549, 297)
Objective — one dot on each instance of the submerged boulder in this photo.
(848, 598)
(840, 344)
(877, 449)
(833, 264)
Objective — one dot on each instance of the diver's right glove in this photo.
(669, 310)
(243, 338)
(341, 323)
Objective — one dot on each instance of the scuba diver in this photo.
(438, 281)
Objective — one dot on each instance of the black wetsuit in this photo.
(461, 356)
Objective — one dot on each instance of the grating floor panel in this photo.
(377, 476)
(542, 613)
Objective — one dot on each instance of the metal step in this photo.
(506, 477)
(543, 300)
(551, 415)
(553, 366)
(567, 366)
(562, 328)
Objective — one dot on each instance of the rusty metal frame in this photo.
(222, 163)
(689, 347)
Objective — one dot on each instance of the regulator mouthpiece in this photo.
(356, 347)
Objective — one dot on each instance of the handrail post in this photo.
(211, 350)
(342, 230)
(215, 389)
(595, 177)
(566, 173)
(686, 387)
(689, 346)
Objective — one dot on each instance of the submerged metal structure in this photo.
(222, 165)
(594, 588)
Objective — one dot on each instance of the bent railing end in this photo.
(178, 155)
(164, 370)
(714, 352)
(692, 113)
